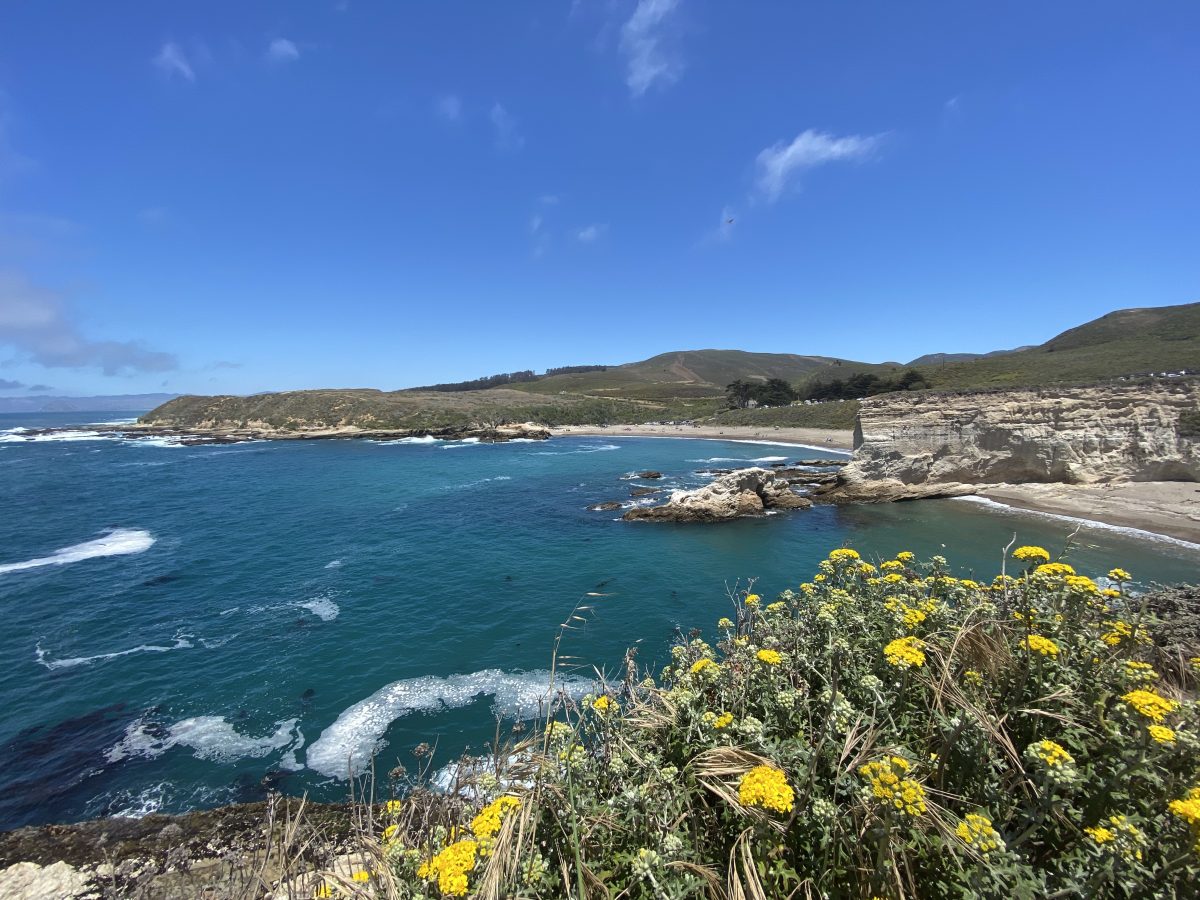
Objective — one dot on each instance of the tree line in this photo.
(777, 392)
(493, 381)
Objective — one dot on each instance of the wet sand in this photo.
(827, 439)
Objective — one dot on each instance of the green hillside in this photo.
(684, 373)
(1126, 342)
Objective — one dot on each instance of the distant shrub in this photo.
(1189, 423)
(882, 730)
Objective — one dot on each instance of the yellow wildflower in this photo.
(390, 832)
(725, 623)
(1141, 671)
(701, 664)
(866, 569)
(893, 578)
(752, 599)
(976, 832)
(972, 677)
(360, 875)
(487, 824)
(724, 720)
(1031, 554)
(604, 703)
(818, 577)
(1081, 583)
(1051, 753)
(767, 787)
(1194, 664)
(1101, 835)
(1122, 631)
(1055, 569)
(1042, 645)
(777, 607)
(450, 868)
(844, 554)
(1119, 836)
(905, 556)
(1161, 733)
(770, 657)
(1119, 575)
(891, 565)
(322, 892)
(905, 652)
(1110, 592)
(1188, 808)
(889, 786)
(1150, 704)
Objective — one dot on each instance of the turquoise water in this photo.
(278, 610)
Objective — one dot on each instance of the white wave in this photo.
(127, 421)
(322, 607)
(53, 436)
(230, 611)
(349, 743)
(182, 642)
(424, 439)
(760, 459)
(824, 449)
(455, 487)
(118, 542)
(1139, 533)
(335, 564)
(211, 738)
(589, 448)
(146, 802)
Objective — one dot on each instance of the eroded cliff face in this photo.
(1069, 435)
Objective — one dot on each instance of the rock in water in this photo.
(744, 492)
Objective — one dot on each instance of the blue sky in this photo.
(228, 197)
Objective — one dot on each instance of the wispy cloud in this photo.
(728, 221)
(535, 224)
(40, 387)
(174, 62)
(8, 385)
(778, 165)
(281, 50)
(648, 61)
(591, 233)
(449, 107)
(34, 321)
(549, 199)
(507, 136)
(953, 105)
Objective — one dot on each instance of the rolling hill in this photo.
(690, 384)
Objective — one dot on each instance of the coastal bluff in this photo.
(941, 444)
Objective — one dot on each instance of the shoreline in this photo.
(1160, 510)
(837, 440)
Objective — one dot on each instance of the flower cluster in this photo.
(487, 824)
(1031, 554)
(905, 653)
(1043, 645)
(1119, 837)
(451, 867)
(890, 786)
(976, 832)
(1149, 704)
(770, 657)
(768, 788)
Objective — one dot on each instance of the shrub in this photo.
(888, 731)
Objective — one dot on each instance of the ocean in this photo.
(189, 626)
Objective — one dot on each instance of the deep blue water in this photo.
(282, 608)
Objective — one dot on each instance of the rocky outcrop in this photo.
(915, 445)
(745, 492)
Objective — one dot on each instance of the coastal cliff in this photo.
(937, 444)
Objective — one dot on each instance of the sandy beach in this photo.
(828, 439)
(1163, 507)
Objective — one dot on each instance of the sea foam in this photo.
(211, 738)
(182, 642)
(349, 743)
(118, 542)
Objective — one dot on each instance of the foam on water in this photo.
(349, 743)
(760, 459)
(1090, 523)
(321, 606)
(587, 448)
(210, 738)
(182, 642)
(424, 439)
(335, 564)
(118, 542)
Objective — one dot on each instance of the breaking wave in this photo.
(349, 743)
(210, 738)
(182, 642)
(118, 542)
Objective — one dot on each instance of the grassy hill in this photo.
(683, 373)
(1122, 343)
(690, 384)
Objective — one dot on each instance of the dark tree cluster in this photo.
(480, 384)
(575, 370)
(772, 392)
(863, 384)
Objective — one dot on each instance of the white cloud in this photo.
(281, 50)
(728, 221)
(34, 321)
(591, 233)
(648, 62)
(173, 61)
(548, 199)
(780, 163)
(507, 137)
(449, 107)
(535, 224)
(953, 104)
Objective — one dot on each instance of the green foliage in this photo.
(1189, 423)
(879, 731)
(864, 384)
(772, 392)
(836, 415)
